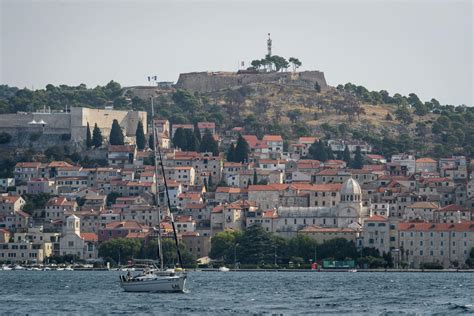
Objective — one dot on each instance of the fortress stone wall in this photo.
(214, 81)
(128, 120)
(73, 122)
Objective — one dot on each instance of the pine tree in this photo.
(116, 135)
(88, 137)
(209, 144)
(358, 159)
(150, 142)
(231, 153)
(96, 136)
(346, 156)
(192, 143)
(179, 139)
(242, 150)
(140, 136)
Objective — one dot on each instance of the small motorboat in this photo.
(68, 268)
(60, 269)
(6, 268)
(352, 270)
(224, 269)
(18, 267)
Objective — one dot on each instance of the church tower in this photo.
(73, 225)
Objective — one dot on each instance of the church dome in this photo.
(351, 187)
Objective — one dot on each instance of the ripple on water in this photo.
(259, 293)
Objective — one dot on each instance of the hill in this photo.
(390, 123)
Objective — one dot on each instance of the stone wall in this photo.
(128, 120)
(214, 81)
(73, 122)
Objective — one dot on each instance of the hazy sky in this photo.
(405, 46)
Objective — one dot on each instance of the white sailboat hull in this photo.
(174, 283)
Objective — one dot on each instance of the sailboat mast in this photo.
(169, 206)
(155, 138)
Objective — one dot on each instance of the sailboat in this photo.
(158, 279)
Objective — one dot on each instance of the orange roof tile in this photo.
(410, 226)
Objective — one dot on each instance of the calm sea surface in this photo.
(242, 293)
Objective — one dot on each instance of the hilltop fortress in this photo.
(214, 81)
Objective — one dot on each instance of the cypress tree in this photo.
(231, 153)
(318, 151)
(179, 139)
(209, 182)
(255, 179)
(242, 150)
(197, 132)
(88, 137)
(192, 143)
(346, 156)
(358, 159)
(140, 136)
(96, 136)
(209, 144)
(116, 135)
(329, 152)
(150, 142)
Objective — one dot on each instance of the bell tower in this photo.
(73, 225)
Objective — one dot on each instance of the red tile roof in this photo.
(272, 138)
(463, 226)
(376, 218)
(91, 237)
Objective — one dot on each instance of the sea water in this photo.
(240, 293)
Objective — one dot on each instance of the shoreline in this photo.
(295, 270)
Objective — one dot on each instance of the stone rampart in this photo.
(214, 81)
(73, 122)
